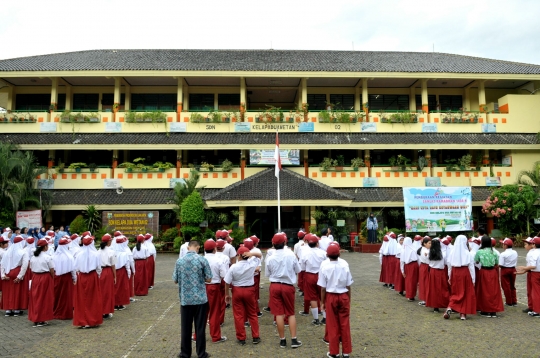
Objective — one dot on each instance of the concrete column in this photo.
(127, 95)
(467, 98)
(305, 109)
(186, 96)
(68, 97)
(241, 216)
(185, 157)
(216, 103)
(178, 162)
(179, 97)
(425, 106)
(485, 159)
(367, 161)
(242, 164)
(365, 96)
(243, 99)
(10, 106)
(482, 96)
(306, 164)
(114, 162)
(412, 99)
(428, 158)
(312, 221)
(116, 101)
(357, 99)
(54, 93)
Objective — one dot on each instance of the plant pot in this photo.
(144, 170)
(148, 120)
(93, 170)
(78, 170)
(461, 167)
(60, 170)
(79, 119)
(94, 119)
(161, 170)
(403, 168)
(129, 170)
(394, 168)
(338, 169)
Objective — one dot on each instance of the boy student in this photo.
(257, 277)
(240, 275)
(507, 263)
(219, 269)
(310, 263)
(297, 251)
(335, 281)
(281, 269)
(532, 269)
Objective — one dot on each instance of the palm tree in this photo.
(183, 190)
(531, 178)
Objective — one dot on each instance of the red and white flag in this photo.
(277, 157)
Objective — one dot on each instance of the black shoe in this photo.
(228, 305)
(493, 315)
(391, 287)
(485, 314)
(526, 310)
(295, 343)
(436, 310)
(302, 313)
(259, 314)
(345, 356)
(422, 303)
(242, 343)
(246, 324)
(256, 340)
(385, 285)
(316, 322)
(509, 305)
(325, 341)
(9, 313)
(266, 309)
(332, 355)
(221, 340)
(411, 299)
(121, 308)
(282, 343)
(17, 313)
(447, 313)
(42, 324)
(323, 321)
(301, 294)
(401, 293)
(35, 324)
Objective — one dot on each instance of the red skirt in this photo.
(14, 295)
(384, 270)
(535, 288)
(150, 270)
(106, 282)
(121, 293)
(132, 285)
(438, 294)
(63, 296)
(411, 279)
(88, 306)
(399, 280)
(390, 273)
(488, 291)
(141, 282)
(462, 298)
(257, 279)
(423, 281)
(40, 307)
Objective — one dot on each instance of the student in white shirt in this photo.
(311, 263)
(507, 264)
(326, 238)
(437, 295)
(107, 280)
(216, 299)
(251, 243)
(40, 306)
(64, 280)
(13, 269)
(532, 256)
(423, 273)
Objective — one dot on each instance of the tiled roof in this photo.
(479, 193)
(263, 186)
(265, 60)
(268, 138)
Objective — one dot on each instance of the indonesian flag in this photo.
(277, 157)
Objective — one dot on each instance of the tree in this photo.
(92, 218)
(192, 214)
(183, 190)
(513, 206)
(78, 225)
(530, 177)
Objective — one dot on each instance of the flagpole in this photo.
(277, 158)
(278, 207)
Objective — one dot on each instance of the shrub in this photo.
(177, 243)
(192, 209)
(78, 225)
(190, 232)
(170, 234)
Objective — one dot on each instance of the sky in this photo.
(503, 30)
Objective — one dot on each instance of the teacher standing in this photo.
(372, 227)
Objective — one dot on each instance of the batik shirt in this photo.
(190, 272)
(486, 257)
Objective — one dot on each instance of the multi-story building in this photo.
(376, 106)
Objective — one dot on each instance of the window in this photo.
(153, 101)
(450, 103)
(107, 99)
(228, 101)
(343, 101)
(38, 102)
(316, 102)
(85, 101)
(388, 101)
(201, 101)
(432, 102)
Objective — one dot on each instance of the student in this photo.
(409, 268)
(437, 293)
(253, 248)
(393, 263)
(488, 288)
(240, 275)
(228, 250)
(335, 281)
(220, 246)
(417, 242)
(3, 247)
(41, 302)
(311, 263)
(151, 262)
(326, 238)
(423, 274)
(13, 269)
(123, 273)
(42, 232)
(507, 263)
(140, 254)
(383, 260)
(532, 268)
(87, 303)
(75, 245)
(65, 277)
(107, 279)
(297, 248)
(461, 278)
(281, 269)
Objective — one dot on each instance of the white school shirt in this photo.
(183, 250)
(107, 256)
(508, 258)
(23, 262)
(439, 264)
(424, 256)
(217, 266)
(530, 258)
(535, 260)
(229, 251)
(42, 263)
(297, 247)
(312, 259)
(282, 267)
(241, 273)
(335, 277)
(325, 241)
(222, 257)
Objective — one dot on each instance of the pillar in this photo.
(184, 158)
(312, 221)
(305, 218)
(306, 164)
(412, 98)
(425, 101)
(242, 164)
(357, 98)
(365, 96)
(428, 158)
(127, 95)
(114, 162)
(178, 162)
(489, 223)
(466, 98)
(305, 109)
(52, 154)
(367, 161)
(243, 99)
(68, 97)
(482, 96)
(10, 98)
(116, 105)
(179, 98)
(241, 216)
(186, 96)
(485, 158)
(54, 94)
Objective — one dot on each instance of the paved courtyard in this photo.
(383, 324)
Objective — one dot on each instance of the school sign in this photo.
(438, 209)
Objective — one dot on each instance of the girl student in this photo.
(438, 294)
(409, 268)
(423, 274)
(64, 280)
(488, 288)
(399, 280)
(140, 255)
(41, 302)
(107, 279)
(14, 265)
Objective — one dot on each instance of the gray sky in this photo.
(504, 30)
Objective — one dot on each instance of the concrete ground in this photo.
(383, 324)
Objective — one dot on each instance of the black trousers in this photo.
(372, 236)
(188, 315)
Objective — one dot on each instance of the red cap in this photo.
(220, 243)
(335, 243)
(248, 243)
(427, 237)
(17, 239)
(312, 239)
(229, 239)
(242, 250)
(507, 242)
(147, 236)
(493, 242)
(42, 242)
(50, 233)
(279, 238)
(140, 238)
(536, 240)
(209, 244)
(445, 241)
(332, 250)
(63, 242)
(2, 239)
(385, 238)
(117, 233)
(301, 234)
(255, 239)
(106, 238)
(30, 240)
(417, 238)
(87, 240)
(74, 236)
(7, 229)
(86, 233)
(392, 235)
(120, 239)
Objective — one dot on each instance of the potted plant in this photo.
(140, 163)
(325, 116)
(61, 167)
(340, 159)
(31, 118)
(402, 161)
(196, 117)
(465, 162)
(207, 167)
(66, 116)
(157, 117)
(343, 117)
(450, 164)
(226, 166)
(92, 166)
(93, 117)
(393, 162)
(79, 117)
(357, 162)
(162, 166)
(327, 163)
(128, 166)
(77, 166)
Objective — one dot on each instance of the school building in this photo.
(386, 120)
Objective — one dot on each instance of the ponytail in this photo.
(138, 246)
(38, 251)
(102, 245)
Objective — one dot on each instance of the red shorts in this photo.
(312, 292)
(282, 299)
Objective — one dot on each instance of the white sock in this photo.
(324, 314)
(315, 313)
